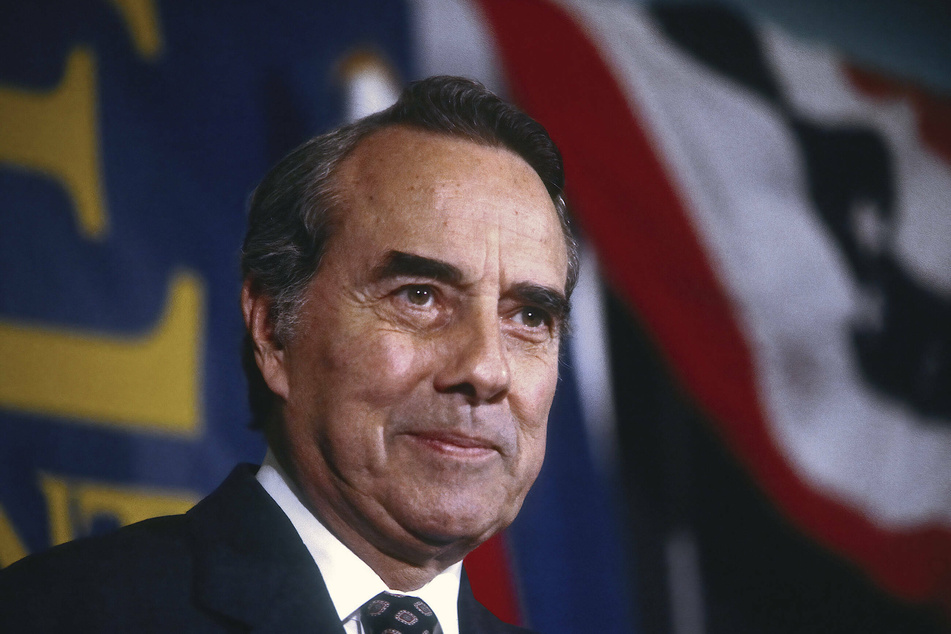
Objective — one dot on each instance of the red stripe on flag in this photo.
(932, 113)
(633, 214)
(490, 576)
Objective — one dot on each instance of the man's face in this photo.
(419, 380)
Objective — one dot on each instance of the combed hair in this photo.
(291, 213)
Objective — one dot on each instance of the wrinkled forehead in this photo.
(412, 188)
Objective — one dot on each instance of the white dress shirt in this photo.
(350, 581)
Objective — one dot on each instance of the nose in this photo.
(475, 360)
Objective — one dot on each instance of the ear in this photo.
(268, 353)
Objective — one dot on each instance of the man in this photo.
(406, 284)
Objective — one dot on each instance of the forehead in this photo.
(415, 190)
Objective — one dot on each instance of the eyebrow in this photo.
(398, 264)
(549, 299)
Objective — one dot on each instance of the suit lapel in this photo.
(472, 615)
(251, 567)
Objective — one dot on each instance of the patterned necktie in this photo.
(394, 614)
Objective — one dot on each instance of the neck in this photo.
(404, 565)
(395, 573)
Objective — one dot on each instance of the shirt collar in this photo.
(350, 581)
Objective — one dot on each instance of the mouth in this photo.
(454, 444)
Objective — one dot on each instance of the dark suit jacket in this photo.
(234, 563)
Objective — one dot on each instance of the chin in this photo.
(462, 524)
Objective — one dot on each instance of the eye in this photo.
(418, 294)
(533, 317)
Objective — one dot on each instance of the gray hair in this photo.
(292, 212)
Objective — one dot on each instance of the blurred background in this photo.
(752, 431)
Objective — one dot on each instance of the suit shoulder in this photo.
(139, 544)
(97, 574)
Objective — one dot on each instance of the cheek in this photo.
(531, 402)
(365, 382)
(380, 368)
(536, 379)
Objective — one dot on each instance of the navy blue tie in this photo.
(397, 614)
